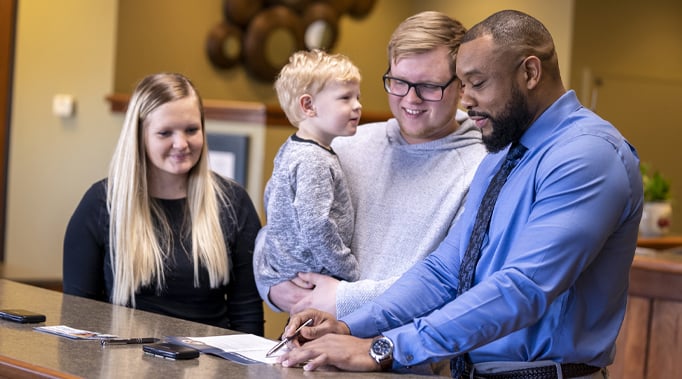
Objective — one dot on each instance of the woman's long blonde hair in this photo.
(140, 236)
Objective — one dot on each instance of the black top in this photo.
(236, 306)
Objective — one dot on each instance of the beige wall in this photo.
(636, 55)
(170, 35)
(71, 47)
(67, 47)
(61, 47)
(90, 49)
(557, 15)
(83, 48)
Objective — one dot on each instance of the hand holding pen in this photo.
(327, 342)
(286, 340)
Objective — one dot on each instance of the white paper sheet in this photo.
(248, 345)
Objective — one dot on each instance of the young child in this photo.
(307, 202)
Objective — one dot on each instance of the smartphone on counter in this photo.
(21, 315)
(170, 351)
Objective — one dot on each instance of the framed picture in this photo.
(228, 155)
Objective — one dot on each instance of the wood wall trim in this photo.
(240, 111)
(660, 243)
(14, 368)
(657, 275)
(660, 262)
(655, 284)
(8, 12)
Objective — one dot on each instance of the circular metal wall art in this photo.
(272, 36)
(341, 6)
(240, 12)
(321, 25)
(262, 34)
(224, 45)
(296, 5)
(361, 8)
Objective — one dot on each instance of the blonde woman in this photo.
(163, 233)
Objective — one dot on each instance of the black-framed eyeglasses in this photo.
(425, 91)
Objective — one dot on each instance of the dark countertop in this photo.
(23, 347)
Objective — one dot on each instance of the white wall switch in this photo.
(63, 105)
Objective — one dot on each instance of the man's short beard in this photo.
(510, 125)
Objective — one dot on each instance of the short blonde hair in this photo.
(307, 73)
(424, 32)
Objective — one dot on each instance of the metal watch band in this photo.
(383, 358)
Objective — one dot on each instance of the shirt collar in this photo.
(550, 120)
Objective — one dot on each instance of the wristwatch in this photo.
(381, 351)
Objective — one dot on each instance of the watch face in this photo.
(381, 351)
(382, 347)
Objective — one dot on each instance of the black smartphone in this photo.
(21, 315)
(170, 351)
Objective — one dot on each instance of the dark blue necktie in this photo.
(479, 232)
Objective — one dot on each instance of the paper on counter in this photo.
(73, 333)
(241, 348)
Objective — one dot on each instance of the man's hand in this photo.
(326, 344)
(323, 295)
(343, 352)
(286, 294)
(323, 323)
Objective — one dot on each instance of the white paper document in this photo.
(73, 333)
(242, 348)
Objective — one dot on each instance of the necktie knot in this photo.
(516, 151)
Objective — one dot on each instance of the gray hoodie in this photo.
(406, 197)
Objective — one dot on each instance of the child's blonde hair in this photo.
(307, 73)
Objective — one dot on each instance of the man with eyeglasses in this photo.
(408, 176)
(425, 91)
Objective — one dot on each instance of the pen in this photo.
(127, 341)
(283, 342)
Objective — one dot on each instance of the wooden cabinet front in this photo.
(649, 345)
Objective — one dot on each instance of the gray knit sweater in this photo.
(406, 197)
(309, 217)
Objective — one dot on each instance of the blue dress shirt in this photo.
(551, 283)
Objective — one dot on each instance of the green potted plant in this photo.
(656, 186)
(657, 212)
